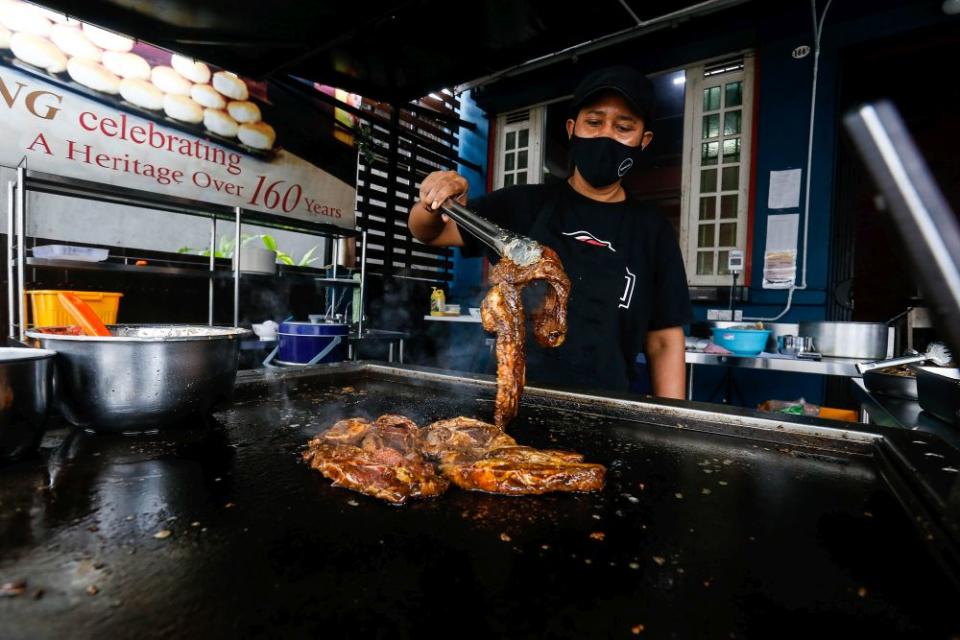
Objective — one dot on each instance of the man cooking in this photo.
(628, 284)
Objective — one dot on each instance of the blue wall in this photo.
(468, 272)
(784, 88)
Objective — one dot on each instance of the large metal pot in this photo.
(25, 390)
(862, 340)
(143, 376)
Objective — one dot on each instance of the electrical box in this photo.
(735, 261)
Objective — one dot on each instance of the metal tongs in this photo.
(520, 250)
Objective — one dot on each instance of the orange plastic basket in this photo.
(46, 310)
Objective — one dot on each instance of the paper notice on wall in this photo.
(784, 189)
(780, 255)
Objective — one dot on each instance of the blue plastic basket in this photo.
(741, 342)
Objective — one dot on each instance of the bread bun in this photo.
(243, 111)
(182, 108)
(92, 74)
(190, 69)
(107, 39)
(141, 93)
(169, 81)
(126, 65)
(207, 96)
(73, 43)
(219, 122)
(230, 85)
(38, 51)
(258, 135)
(21, 17)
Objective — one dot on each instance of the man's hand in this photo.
(425, 225)
(437, 187)
(665, 354)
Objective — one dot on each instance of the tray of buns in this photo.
(184, 94)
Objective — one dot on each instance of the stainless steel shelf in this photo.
(183, 271)
(114, 267)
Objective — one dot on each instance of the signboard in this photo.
(174, 146)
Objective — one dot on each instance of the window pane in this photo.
(728, 234)
(524, 139)
(522, 160)
(711, 126)
(728, 206)
(708, 152)
(508, 162)
(734, 92)
(706, 235)
(722, 263)
(731, 123)
(711, 98)
(508, 180)
(731, 178)
(708, 180)
(708, 208)
(511, 140)
(705, 263)
(731, 150)
(522, 177)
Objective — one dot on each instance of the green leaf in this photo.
(269, 242)
(285, 259)
(184, 250)
(308, 258)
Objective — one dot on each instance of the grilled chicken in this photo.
(502, 313)
(378, 459)
(393, 460)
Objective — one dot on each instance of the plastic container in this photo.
(438, 301)
(302, 342)
(67, 252)
(47, 311)
(741, 342)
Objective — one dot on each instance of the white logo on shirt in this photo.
(629, 281)
(590, 239)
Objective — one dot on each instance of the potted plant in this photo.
(256, 257)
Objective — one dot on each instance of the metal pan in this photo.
(939, 392)
(890, 384)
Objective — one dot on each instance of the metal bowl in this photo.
(143, 377)
(25, 390)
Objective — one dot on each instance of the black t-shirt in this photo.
(626, 272)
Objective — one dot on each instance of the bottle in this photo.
(438, 301)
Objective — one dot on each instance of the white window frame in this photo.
(690, 190)
(533, 120)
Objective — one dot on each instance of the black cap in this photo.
(635, 88)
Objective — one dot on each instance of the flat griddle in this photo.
(713, 524)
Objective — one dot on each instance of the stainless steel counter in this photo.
(826, 367)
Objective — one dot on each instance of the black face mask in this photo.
(601, 160)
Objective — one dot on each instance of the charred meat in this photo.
(379, 459)
(502, 313)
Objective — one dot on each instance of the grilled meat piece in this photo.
(502, 313)
(348, 431)
(523, 471)
(479, 457)
(386, 464)
(460, 435)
